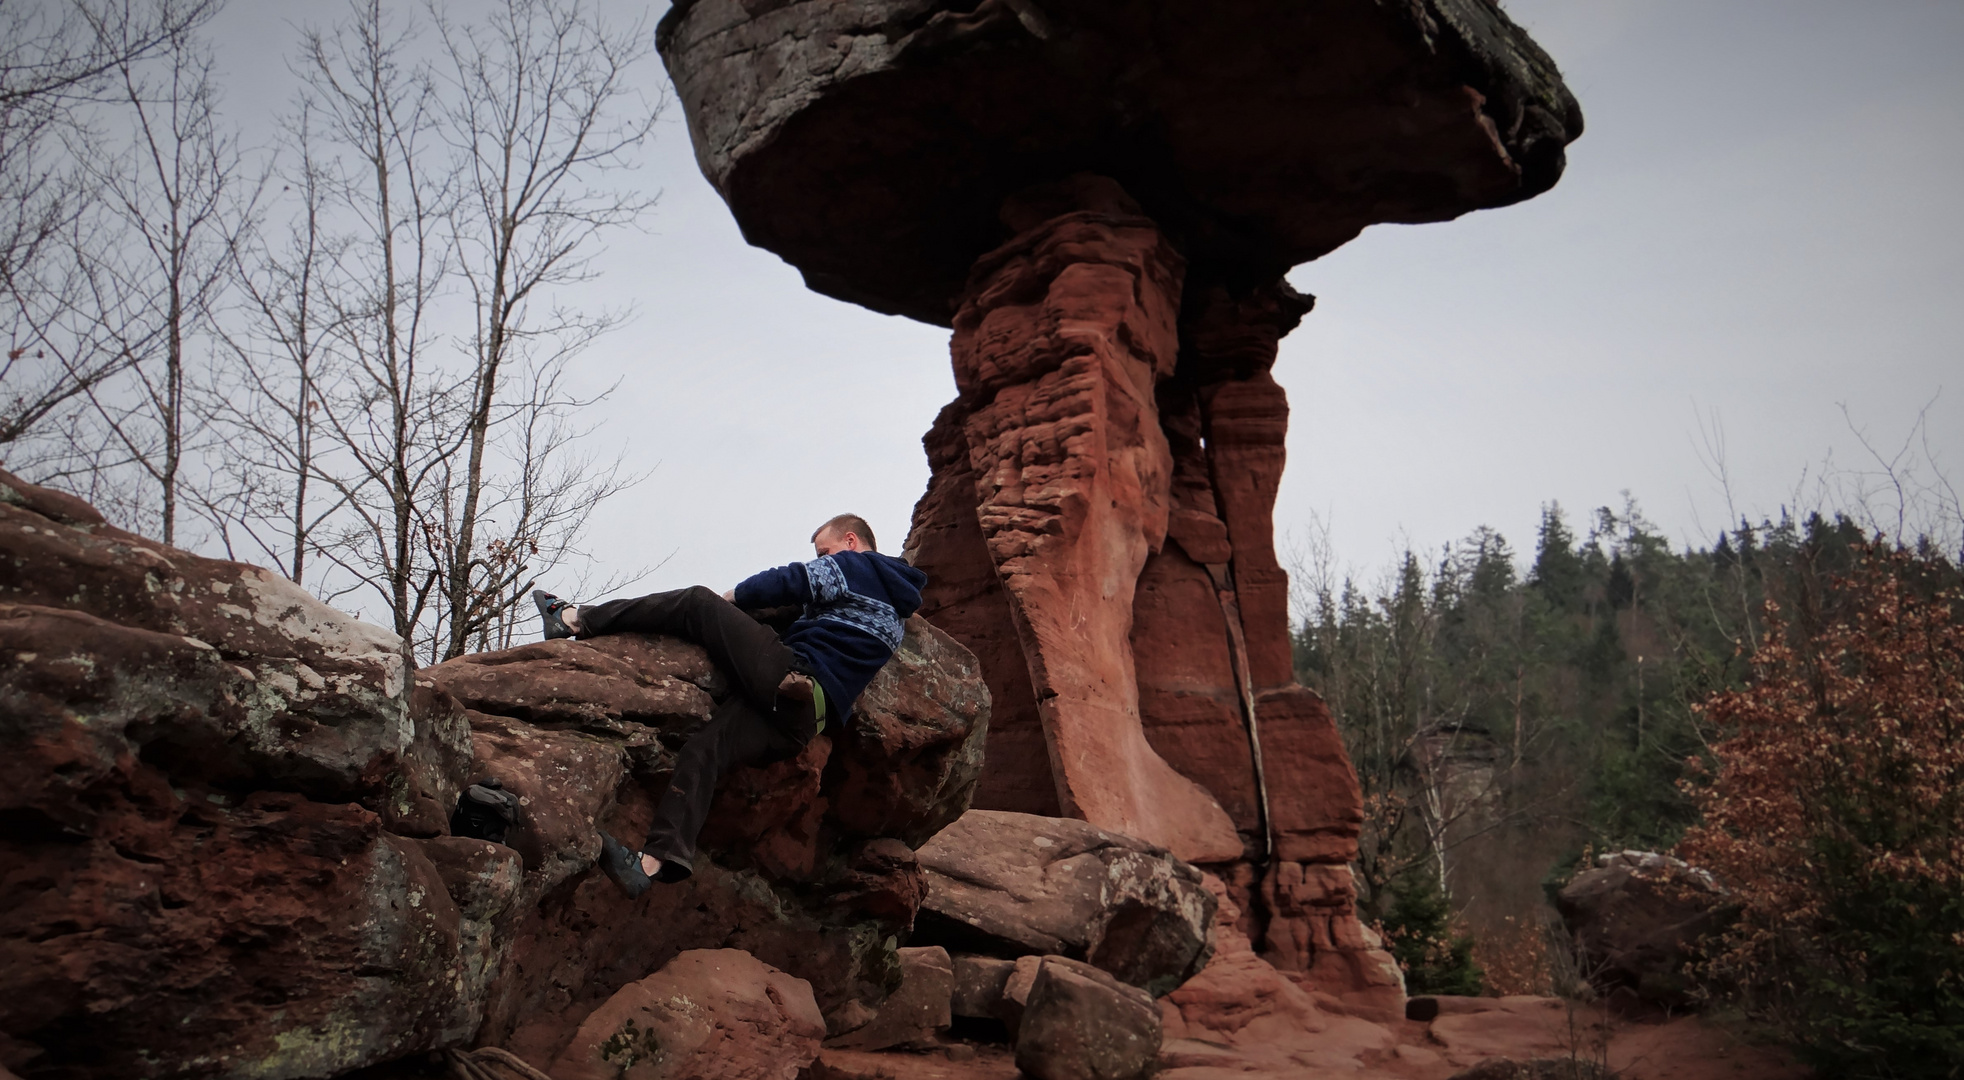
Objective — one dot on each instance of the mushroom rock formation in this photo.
(1101, 199)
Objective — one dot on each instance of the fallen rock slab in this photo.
(1081, 1023)
(708, 1014)
(1009, 885)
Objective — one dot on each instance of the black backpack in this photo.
(485, 811)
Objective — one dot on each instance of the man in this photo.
(783, 690)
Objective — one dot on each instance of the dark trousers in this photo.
(753, 726)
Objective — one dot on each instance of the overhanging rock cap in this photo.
(871, 143)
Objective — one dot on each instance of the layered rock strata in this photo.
(226, 808)
(871, 144)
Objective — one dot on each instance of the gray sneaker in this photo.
(624, 866)
(550, 607)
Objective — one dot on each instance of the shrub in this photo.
(1834, 807)
(1419, 931)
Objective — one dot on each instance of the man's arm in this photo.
(780, 587)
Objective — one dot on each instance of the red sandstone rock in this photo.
(600, 684)
(1242, 1014)
(1098, 529)
(782, 877)
(1067, 330)
(1194, 651)
(1015, 884)
(208, 669)
(964, 597)
(1318, 808)
(224, 809)
(708, 1014)
(1238, 997)
(913, 1014)
(978, 985)
(1079, 1023)
(212, 789)
(908, 762)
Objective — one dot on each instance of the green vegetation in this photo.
(1834, 810)
(1507, 722)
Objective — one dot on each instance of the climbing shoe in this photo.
(550, 609)
(624, 866)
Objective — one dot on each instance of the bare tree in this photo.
(378, 108)
(57, 62)
(165, 194)
(469, 176)
(270, 411)
(540, 105)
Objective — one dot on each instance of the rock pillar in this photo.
(1099, 531)
(1060, 343)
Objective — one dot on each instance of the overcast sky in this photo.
(1760, 228)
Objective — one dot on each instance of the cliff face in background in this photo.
(227, 807)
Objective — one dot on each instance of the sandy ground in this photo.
(1681, 1048)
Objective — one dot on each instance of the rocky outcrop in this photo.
(1015, 885)
(796, 872)
(224, 804)
(1242, 1007)
(226, 811)
(1638, 919)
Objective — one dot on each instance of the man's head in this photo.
(847, 532)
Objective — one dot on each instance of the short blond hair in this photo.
(851, 523)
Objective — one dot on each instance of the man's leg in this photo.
(747, 650)
(737, 734)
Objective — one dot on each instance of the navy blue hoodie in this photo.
(855, 602)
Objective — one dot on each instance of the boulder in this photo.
(1015, 997)
(978, 985)
(1637, 919)
(1008, 885)
(916, 1012)
(708, 1014)
(908, 763)
(1080, 1023)
(223, 806)
(781, 876)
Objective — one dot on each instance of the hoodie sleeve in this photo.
(781, 587)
